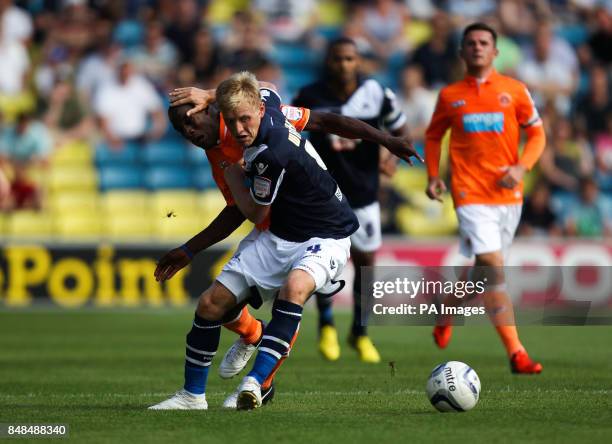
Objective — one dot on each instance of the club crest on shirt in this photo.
(261, 168)
(505, 99)
(261, 186)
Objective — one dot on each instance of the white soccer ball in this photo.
(453, 386)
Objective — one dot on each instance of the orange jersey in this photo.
(229, 151)
(485, 118)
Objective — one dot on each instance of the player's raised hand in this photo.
(402, 148)
(170, 263)
(200, 98)
(513, 177)
(435, 188)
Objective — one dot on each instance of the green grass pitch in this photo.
(98, 371)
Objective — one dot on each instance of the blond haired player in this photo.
(485, 112)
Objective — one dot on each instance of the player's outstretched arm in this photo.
(226, 222)
(351, 128)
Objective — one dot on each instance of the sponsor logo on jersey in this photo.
(483, 123)
(292, 112)
(262, 186)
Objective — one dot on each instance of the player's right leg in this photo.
(245, 325)
(202, 342)
(499, 308)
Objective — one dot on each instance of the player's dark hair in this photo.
(479, 26)
(177, 116)
(337, 42)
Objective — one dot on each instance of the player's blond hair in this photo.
(241, 87)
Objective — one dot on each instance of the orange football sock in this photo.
(246, 326)
(270, 377)
(509, 336)
(501, 313)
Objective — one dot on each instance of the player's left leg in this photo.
(278, 336)
(364, 244)
(313, 267)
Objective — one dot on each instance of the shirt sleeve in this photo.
(526, 112)
(391, 114)
(296, 115)
(266, 176)
(270, 98)
(440, 122)
(529, 119)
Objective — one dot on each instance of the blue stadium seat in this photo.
(196, 156)
(576, 34)
(329, 32)
(168, 177)
(202, 178)
(289, 55)
(115, 177)
(164, 153)
(128, 33)
(298, 78)
(128, 154)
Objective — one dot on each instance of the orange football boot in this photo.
(442, 335)
(521, 363)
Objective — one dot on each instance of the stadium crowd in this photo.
(99, 72)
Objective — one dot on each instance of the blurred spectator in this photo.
(509, 52)
(519, 18)
(438, 56)
(98, 69)
(421, 9)
(416, 101)
(288, 20)
(15, 23)
(22, 145)
(538, 218)
(184, 25)
(466, 11)
(590, 215)
(593, 109)
(206, 57)
(67, 114)
(124, 105)
(5, 190)
(550, 70)
(566, 158)
(600, 41)
(382, 23)
(247, 43)
(157, 57)
(73, 27)
(603, 155)
(14, 67)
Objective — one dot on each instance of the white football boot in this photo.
(182, 400)
(266, 396)
(236, 358)
(249, 394)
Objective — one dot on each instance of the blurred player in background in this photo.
(355, 165)
(485, 112)
(204, 126)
